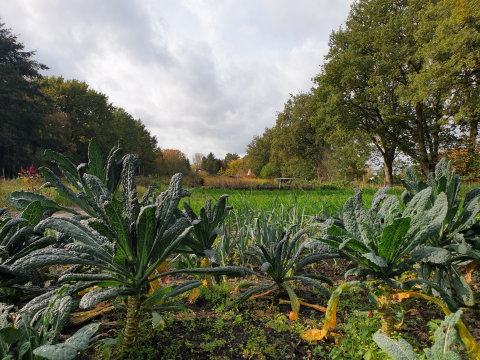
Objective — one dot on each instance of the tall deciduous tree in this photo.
(175, 161)
(369, 86)
(298, 147)
(197, 160)
(89, 112)
(451, 32)
(136, 138)
(258, 151)
(22, 105)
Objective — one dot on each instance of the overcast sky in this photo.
(202, 75)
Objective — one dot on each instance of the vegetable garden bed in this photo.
(399, 276)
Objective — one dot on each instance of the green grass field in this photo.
(313, 202)
(309, 203)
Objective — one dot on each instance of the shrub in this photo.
(269, 171)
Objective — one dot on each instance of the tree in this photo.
(22, 105)
(89, 112)
(176, 161)
(258, 151)
(453, 48)
(89, 115)
(298, 146)
(367, 83)
(236, 166)
(137, 139)
(211, 164)
(197, 160)
(269, 171)
(229, 158)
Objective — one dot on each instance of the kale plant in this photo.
(277, 258)
(27, 335)
(128, 243)
(205, 230)
(450, 335)
(19, 238)
(384, 243)
(450, 245)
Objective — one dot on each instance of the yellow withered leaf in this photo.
(398, 297)
(473, 348)
(331, 314)
(316, 307)
(469, 268)
(157, 284)
(264, 294)
(312, 335)
(293, 315)
(205, 262)
(81, 317)
(194, 295)
(44, 269)
(163, 267)
(154, 285)
(83, 292)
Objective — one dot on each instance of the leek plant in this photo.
(205, 231)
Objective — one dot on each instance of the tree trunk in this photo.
(133, 323)
(388, 156)
(321, 161)
(319, 165)
(423, 157)
(472, 146)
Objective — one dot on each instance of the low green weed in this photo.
(219, 297)
(278, 323)
(213, 345)
(356, 342)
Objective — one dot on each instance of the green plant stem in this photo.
(133, 323)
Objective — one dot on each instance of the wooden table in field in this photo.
(280, 180)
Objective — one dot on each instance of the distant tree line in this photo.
(401, 77)
(38, 113)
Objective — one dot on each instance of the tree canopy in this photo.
(211, 164)
(175, 161)
(23, 106)
(400, 77)
(38, 113)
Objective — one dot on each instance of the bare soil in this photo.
(261, 329)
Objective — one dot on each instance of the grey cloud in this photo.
(202, 75)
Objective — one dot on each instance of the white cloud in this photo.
(202, 75)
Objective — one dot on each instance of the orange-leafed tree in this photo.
(175, 161)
